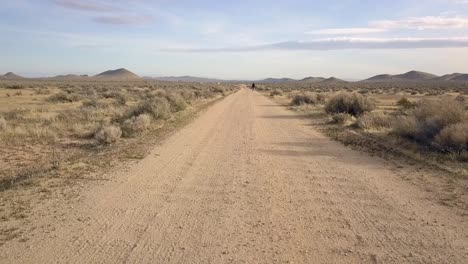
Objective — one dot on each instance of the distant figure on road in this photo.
(253, 86)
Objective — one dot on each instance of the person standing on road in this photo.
(253, 86)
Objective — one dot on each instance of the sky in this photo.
(254, 39)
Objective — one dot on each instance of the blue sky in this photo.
(349, 39)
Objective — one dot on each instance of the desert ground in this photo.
(247, 181)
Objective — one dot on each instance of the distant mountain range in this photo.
(124, 74)
(185, 79)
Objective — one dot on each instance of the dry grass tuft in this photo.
(343, 119)
(108, 134)
(136, 125)
(374, 120)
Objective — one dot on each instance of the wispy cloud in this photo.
(422, 23)
(83, 5)
(346, 31)
(122, 20)
(344, 43)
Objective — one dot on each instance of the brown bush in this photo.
(405, 103)
(353, 104)
(303, 99)
(136, 125)
(157, 107)
(3, 124)
(177, 102)
(406, 126)
(428, 119)
(108, 134)
(63, 97)
(453, 138)
(276, 92)
(342, 119)
(374, 120)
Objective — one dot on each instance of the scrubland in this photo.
(61, 127)
(419, 121)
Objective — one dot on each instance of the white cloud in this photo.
(422, 23)
(346, 31)
(343, 43)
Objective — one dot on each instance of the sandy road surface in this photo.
(250, 182)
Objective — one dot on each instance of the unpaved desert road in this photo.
(250, 182)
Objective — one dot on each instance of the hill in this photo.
(416, 75)
(333, 80)
(276, 80)
(461, 78)
(118, 74)
(447, 77)
(70, 77)
(313, 79)
(409, 76)
(11, 76)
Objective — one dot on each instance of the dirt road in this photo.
(250, 182)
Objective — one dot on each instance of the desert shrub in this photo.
(320, 98)
(406, 126)
(276, 92)
(218, 90)
(90, 103)
(460, 98)
(41, 134)
(63, 97)
(3, 124)
(107, 134)
(157, 107)
(353, 104)
(136, 125)
(405, 103)
(342, 119)
(188, 95)
(302, 99)
(119, 97)
(42, 91)
(177, 102)
(453, 138)
(429, 118)
(374, 120)
(15, 86)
